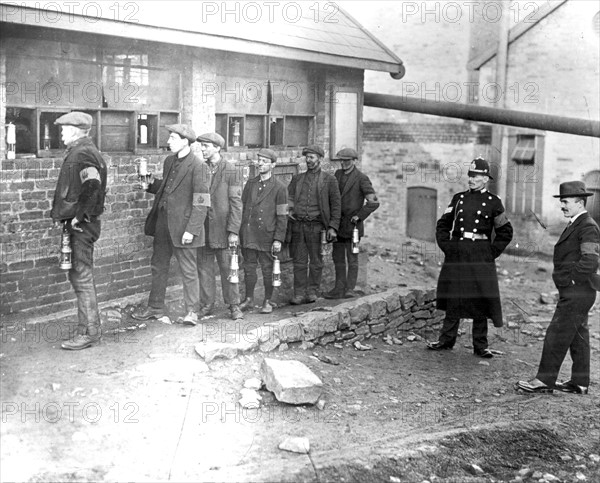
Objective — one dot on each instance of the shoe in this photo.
(350, 294)
(571, 387)
(438, 346)
(206, 310)
(190, 319)
(80, 342)
(334, 294)
(534, 386)
(146, 313)
(297, 300)
(266, 308)
(236, 313)
(485, 353)
(310, 299)
(247, 304)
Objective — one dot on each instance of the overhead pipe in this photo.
(469, 112)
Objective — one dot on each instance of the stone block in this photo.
(360, 312)
(291, 381)
(377, 329)
(421, 314)
(392, 299)
(213, 350)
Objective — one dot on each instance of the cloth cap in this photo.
(268, 153)
(570, 189)
(480, 166)
(75, 118)
(346, 153)
(183, 130)
(212, 137)
(313, 149)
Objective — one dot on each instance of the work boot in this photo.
(80, 342)
(206, 310)
(190, 319)
(247, 304)
(336, 293)
(145, 313)
(236, 312)
(297, 300)
(266, 308)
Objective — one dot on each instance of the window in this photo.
(131, 92)
(524, 151)
(251, 131)
(345, 111)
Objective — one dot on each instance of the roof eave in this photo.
(136, 31)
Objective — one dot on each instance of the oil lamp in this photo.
(276, 272)
(234, 265)
(143, 173)
(65, 248)
(11, 140)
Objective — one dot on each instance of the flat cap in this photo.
(268, 153)
(212, 137)
(75, 118)
(183, 130)
(346, 153)
(313, 148)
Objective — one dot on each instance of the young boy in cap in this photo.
(355, 188)
(314, 206)
(79, 201)
(222, 227)
(264, 222)
(575, 264)
(176, 221)
(468, 283)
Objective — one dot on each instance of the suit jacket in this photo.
(328, 195)
(357, 187)
(225, 212)
(188, 200)
(576, 252)
(264, 218)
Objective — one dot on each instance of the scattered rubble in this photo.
(291, 381)
(295, 445)
(362, 347)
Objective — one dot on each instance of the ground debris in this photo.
(295, 445)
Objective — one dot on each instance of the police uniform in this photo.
(80, 193)
(472, 233)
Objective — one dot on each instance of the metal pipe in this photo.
(507, 117)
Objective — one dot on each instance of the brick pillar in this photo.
(204, 92)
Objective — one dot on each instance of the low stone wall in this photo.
(395, 312)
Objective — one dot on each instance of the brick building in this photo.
(283, 77)
(552, 67)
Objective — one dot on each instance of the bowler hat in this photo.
(75, 118)
(346, 153)
(480, 166)
(268, 153)
(570, 189)
(313, 148)
(183, 130)
(212, 137)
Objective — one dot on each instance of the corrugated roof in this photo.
(310, 31)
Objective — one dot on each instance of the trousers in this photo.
(345, 275)
(305, 249)
(207, 276)
(252, 258)
(449, 332)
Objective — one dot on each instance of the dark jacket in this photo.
(576, 252)
(81, 186)
(225, 212)
(353, 195)
(187, 200)
(264, 218)
(468, 283)
(328, 196)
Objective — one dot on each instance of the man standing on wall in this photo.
(468, 283)
(222, 227)
(314, 207)
(176, 221)
(78, 203)
(264, 222)
(575, 264)
(355, 187)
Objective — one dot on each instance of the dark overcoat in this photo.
(225, 212)
(468, 283)
(576, 252)
(264, 216)
(353, 194)
(187, 200)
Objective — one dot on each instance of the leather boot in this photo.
(266, 308)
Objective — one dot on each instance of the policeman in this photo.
(468, 283)
(78, 202)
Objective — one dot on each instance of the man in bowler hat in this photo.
(79, 202)
(575, 264)
(472, 233)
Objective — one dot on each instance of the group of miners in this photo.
(200, 211)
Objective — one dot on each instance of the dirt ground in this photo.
(142, 406)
